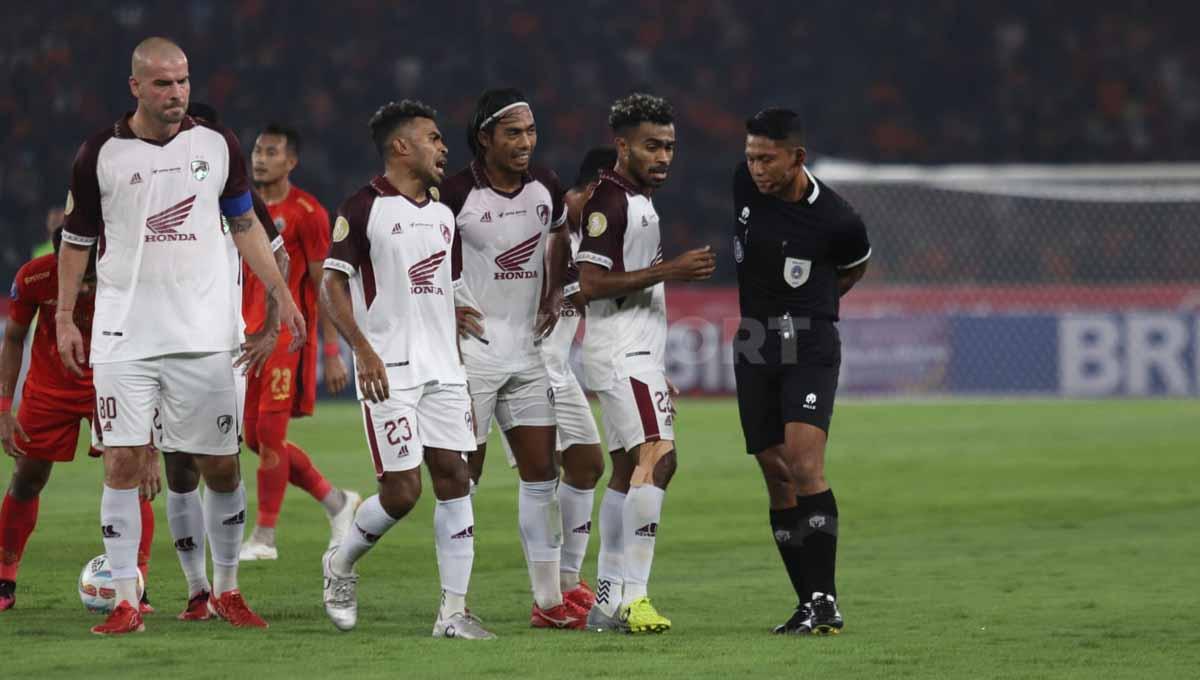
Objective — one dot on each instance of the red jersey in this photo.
(35, 293)
(304, 226)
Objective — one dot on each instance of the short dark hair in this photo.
(595, 160)
(205, 111)
(394, 114)
(486, 106)
(639, 108)
(778, 124)
(288, 133)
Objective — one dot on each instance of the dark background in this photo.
(877, 80)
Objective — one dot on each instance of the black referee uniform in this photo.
(787, 354)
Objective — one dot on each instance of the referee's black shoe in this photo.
(826, 619)
(799, 624)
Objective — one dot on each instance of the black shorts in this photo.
(773, 393)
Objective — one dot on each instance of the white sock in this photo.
(540, 520)
(577, 529)
(185, 516)
(610, 564)
(454, 538)
(121, 526)
(334, 501)
(643, 510)
(371, 522)
(225, 520)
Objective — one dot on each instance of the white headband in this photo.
(495, 116)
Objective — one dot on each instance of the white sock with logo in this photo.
(371, 522)
(643, 510)
(454, 538)
(185, 516)
(610, 564)
(121, 527)
(576, 530)
(224, 521)
(540, 520)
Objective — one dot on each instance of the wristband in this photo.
(332, 349)
(5, 404)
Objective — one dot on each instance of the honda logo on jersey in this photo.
(421, 274)
(163, 224)
(512, 260)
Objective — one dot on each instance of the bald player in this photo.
(148, 192)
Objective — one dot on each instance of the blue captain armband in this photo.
(236, 206)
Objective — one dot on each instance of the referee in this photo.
(799, 247)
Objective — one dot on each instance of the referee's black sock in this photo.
(789, 539)
(819, 519)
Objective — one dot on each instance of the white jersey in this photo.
(503, 242)
(397, 255)
(556, 348)
(626, 335)
(165, 281)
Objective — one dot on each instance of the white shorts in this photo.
(515, 399)
(398, 430)
(573, 413)
(636, 410)
(190, 398)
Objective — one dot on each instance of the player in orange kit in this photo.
(286, 385)
(53, 401)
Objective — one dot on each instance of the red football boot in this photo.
(581, 596)
(197, 608)
(565, 616)
(124, 619)
(232, 607)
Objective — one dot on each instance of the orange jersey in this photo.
(35, 293)
(304, 226)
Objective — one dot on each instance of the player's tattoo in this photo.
(241, 223)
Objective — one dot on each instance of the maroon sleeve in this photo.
(84, 221)
(604, 220)
(238, 182)
(350, 248)
(558, 208)
(454, 191)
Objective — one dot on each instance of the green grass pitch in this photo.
(979, 540)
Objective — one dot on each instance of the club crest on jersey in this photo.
(796, 271)
(280, 224)
(199, 170)
(745, 216)
(163, 226)
(512, 261)
(543, 213)
(597, 224)
(446, 234)
(739, 253)
(421, 274)
(341, 229)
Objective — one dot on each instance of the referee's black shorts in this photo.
(774, 392)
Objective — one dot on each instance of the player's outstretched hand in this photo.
(257, 349)
(372, 374)
(10, 431)
(151, 484)
(547, 316)
(468, 322)
(291, 317)
(694, 265)
(70, 343)
(336, 376)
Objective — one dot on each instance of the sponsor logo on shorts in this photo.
(810, 402)
(421, 274)
(782, 535)
(650, 530)
(185, 544)
(469, 532)
(233, 520)
(163, 225)
(512, 260)
(224, 423)
(817, 521)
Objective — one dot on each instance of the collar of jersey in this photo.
(814, 189)
(482, 181)
(383, 187)
(619, 180)
(121, 130)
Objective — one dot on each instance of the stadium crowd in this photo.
(1026, 81)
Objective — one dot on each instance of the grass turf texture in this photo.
(979, 540)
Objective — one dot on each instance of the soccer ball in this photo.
(95, 586)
